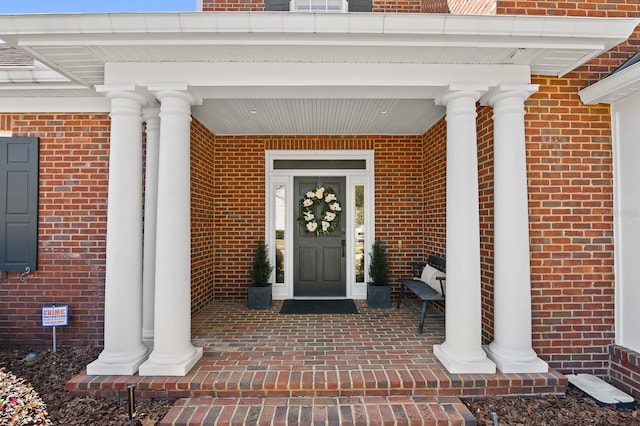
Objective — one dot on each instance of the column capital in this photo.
(502, 91)
(150, 112)
(151, 116)
(185, 96)
(127, 91)
(177, 90)
(456, 91)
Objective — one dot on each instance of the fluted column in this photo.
(511, 348)
(173, 354)
(151, 117)
(123, 348)
(462, 350)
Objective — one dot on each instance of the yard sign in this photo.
(55, 316)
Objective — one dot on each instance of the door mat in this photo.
(342, 306)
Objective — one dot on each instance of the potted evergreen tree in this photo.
(378, 288)
(260, 289)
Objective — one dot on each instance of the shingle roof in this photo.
(12, 57)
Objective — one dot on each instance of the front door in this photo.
(319, 257)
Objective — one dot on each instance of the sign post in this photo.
(54, 316)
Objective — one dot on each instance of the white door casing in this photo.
(361, 176)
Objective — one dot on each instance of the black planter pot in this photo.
(260, 297)
(378, 296)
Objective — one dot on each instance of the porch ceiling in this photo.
(370, 64)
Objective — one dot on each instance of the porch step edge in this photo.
(427, 410)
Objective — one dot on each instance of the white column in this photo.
(511, 348)
(462, 350)
(152, 119)
(173, 354)
(123, 348)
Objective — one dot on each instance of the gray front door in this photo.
(319, 260)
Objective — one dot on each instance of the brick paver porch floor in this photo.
(262, 354)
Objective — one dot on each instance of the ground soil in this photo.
(50, 371)
(48, 375)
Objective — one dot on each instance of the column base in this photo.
(506, 365)
(460, 366)
(117, 366)
(167, 368)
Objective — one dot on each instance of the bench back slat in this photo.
(440, 263)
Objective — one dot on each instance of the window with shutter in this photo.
(319, 5)
(360, 6)
(276, 5)
(18, 203)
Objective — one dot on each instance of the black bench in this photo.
(423, 290)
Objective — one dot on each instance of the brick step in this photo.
(381, 381)
(354, 410)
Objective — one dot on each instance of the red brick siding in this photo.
(203, 226)
(74, 159)
(625, 369)
(240, 205)
(484, 125)
(473, 7)
(571, 226)
(400, 215)
(232, 5)
(399, 6)
(570, 201)
(602, 8)
(434, 186)
(435, 6)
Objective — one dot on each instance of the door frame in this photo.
(275, 177)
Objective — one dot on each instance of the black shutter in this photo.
(359, 5)
(18, 203)
(276, 5)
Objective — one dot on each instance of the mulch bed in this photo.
(574, 409)
(48, 375)
(50, 371)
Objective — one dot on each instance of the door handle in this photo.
(344, 242)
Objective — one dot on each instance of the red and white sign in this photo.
(55, 316)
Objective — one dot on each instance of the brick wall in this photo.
(434, 184)
(602, 8)
(484, 125)
(232, 5)
(239, 205)
(571, 226)
(435, 6)
(570, 201)
(410, 6)
(473, 7)
(400, 6)
(203, 226)
(74, 159)
(625, 369)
